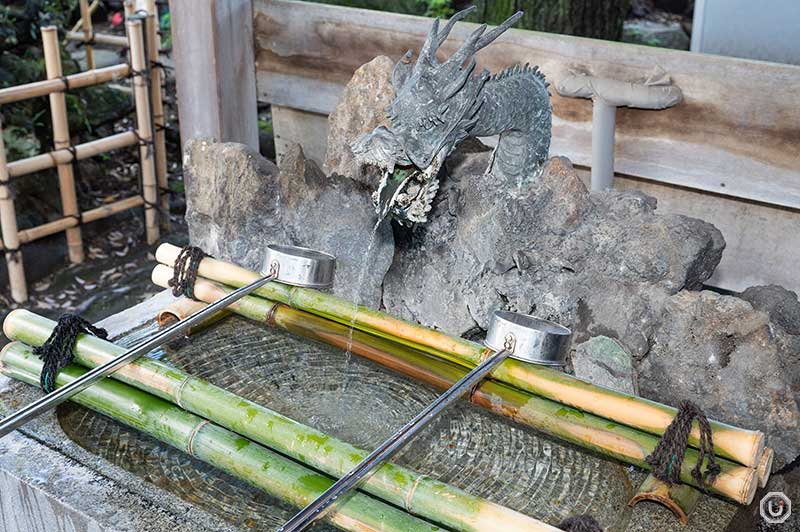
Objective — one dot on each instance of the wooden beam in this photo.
(736, 133)
(214, 69)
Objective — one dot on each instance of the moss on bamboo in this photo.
(740, 445)
(265, 469)
(403, 487)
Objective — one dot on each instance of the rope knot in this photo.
(185, 271)
(667, 457)
(59, 349)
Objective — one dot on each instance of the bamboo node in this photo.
(410, 494)
(193, 435)
(271, 314)
(179, 390)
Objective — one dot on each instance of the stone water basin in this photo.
(363, 403)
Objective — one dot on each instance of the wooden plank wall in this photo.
(736, 135)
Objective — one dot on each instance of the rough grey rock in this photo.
(599, 263)
(238, 202)
(335, 214)
(730, 359)
(604, 361)
(781, 304)
(232, 208)
(361, 109)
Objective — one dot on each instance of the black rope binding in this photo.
(185, 272)
(580, 523)
(667, 457)
(59, 349)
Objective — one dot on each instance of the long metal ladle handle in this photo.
(361, 472)
(60, 395)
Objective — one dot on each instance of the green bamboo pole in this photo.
(561, 421)
(238, 456)
(418, 494)
(739, 445)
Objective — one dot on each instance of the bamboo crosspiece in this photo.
(88, 33)
(58, 112)
(8, 224)
(144, 128)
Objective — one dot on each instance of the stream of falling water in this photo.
(366, 263)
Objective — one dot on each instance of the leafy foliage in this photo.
(27, 127)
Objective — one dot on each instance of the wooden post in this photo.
(88, 33)
(223, 106)
(8, 224)
(58, 112)
(156, 99)
(144, 128)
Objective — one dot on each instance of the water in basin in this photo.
(470, 448)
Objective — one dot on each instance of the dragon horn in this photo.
(450, 23)
(496, 32)
(467, 49)
(428, 50)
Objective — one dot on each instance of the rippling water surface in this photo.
(485, 454)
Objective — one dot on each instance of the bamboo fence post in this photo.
(159, 121)
(92, 9)
(58, 111)
(144, 128)
(8, 224)
(88, 33)
(130, 8)
(261, 467)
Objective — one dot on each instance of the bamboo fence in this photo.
(741, 445)
(151, 146)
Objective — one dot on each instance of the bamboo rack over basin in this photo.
(740, 445)
(400, 486)
(261, 467)
(591, 432)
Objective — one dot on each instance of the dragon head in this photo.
(435, 108)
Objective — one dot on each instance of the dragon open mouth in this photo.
(406, 192)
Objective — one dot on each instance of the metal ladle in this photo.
(286, 264)
(519, 336)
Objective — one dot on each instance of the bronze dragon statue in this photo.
(438, 105)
